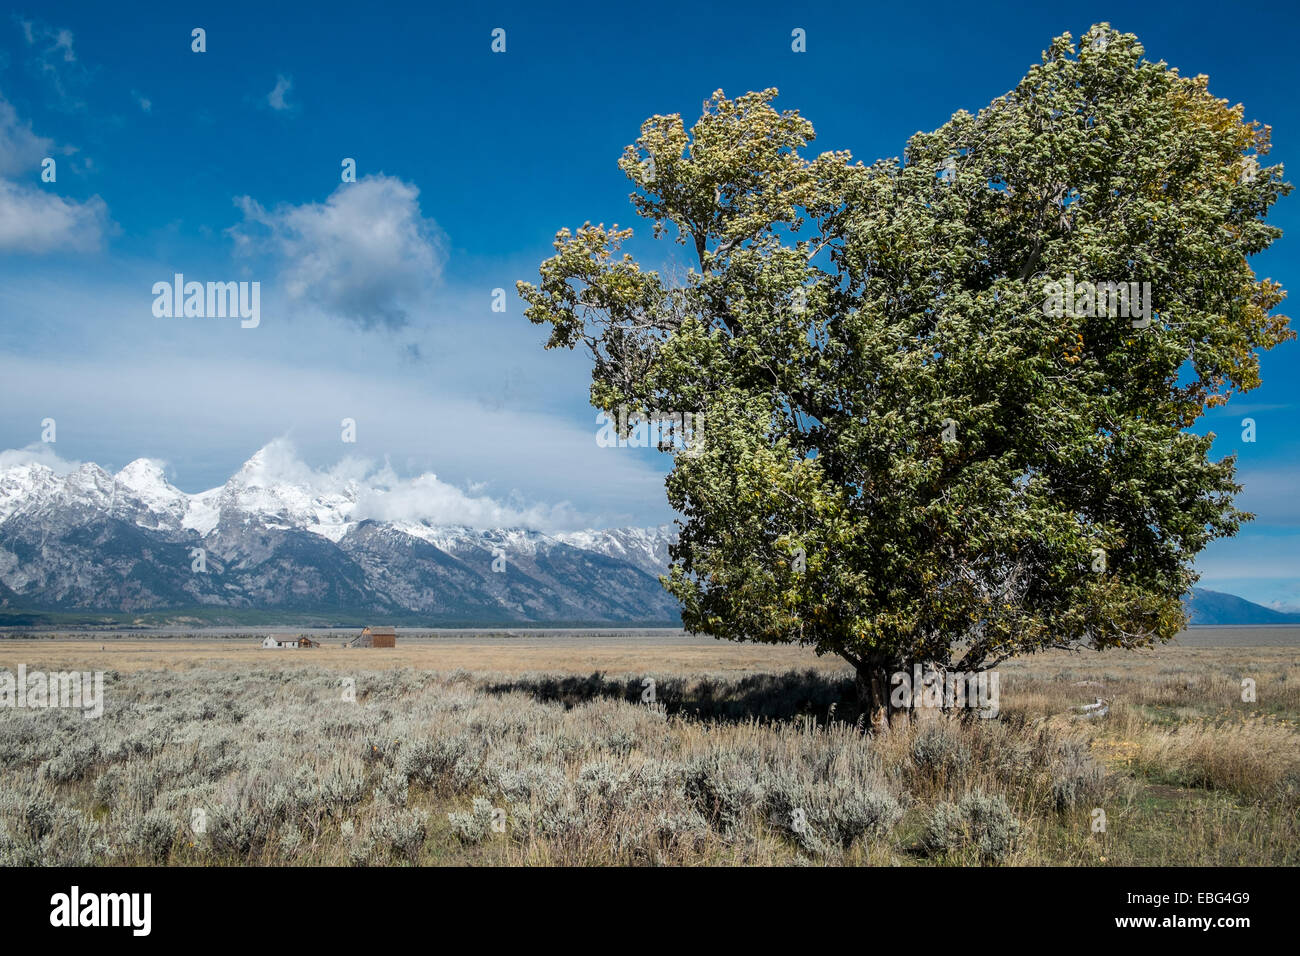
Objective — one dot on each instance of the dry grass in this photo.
(457, 751)
(506, 654)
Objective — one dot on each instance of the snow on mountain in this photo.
(279, 534)
(277, 494)
(203, 512)
(138, 491)
(273, 487)
(24, 484)
(647, 548)
(143, 480)
(452, 538)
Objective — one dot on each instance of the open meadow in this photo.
(642, 748)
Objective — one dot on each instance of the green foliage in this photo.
(904, 452)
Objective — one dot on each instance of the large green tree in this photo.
(914, 448)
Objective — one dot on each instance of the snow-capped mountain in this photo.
(647, 548)
(280, 538)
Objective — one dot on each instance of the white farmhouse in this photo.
(287, 641)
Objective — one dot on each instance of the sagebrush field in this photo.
(515, 752)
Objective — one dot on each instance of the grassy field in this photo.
(544, 749)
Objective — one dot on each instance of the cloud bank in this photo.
(382, 495)
(366, 254)
(34, 216)
(37, 453)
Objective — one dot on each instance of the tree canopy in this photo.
(914, 447)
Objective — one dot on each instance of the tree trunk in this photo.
(873, 696)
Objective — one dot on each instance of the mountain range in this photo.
(89, 546)
(133, 546)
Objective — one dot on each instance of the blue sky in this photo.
(225, 165)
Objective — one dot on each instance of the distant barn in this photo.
(376, 637)
(288, 641)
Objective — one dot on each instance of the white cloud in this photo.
(63, 44)
(365, 254)
(382, 495)
(53, 57)
(142, 101)
(37, 453)
(276, 98)
(34, 217)
(21, 150)
(35, 221)
(425, 498)
(54, 43)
